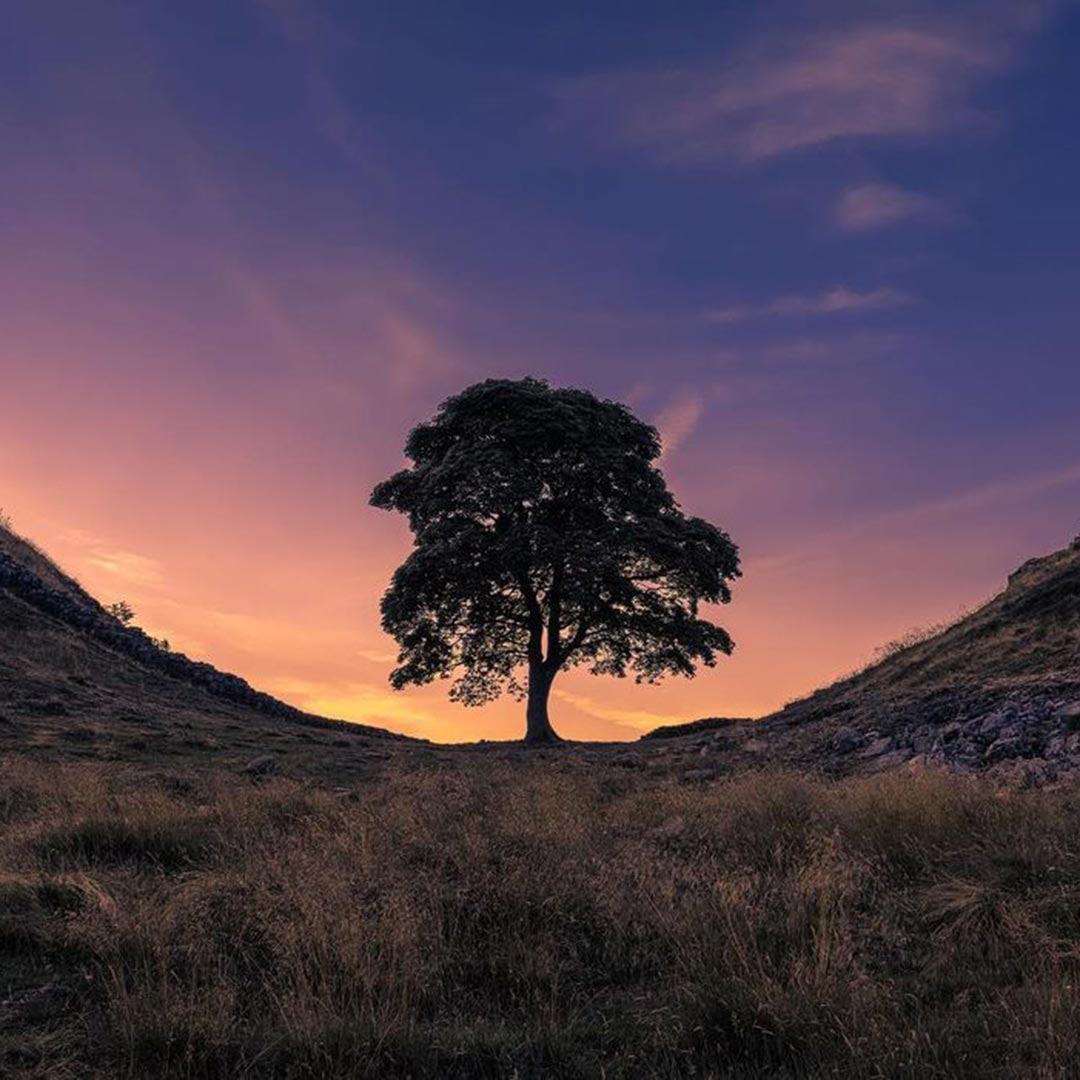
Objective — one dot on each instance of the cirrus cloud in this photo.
(907, 78)
(866, 207)
(677, 421)
(838, 300)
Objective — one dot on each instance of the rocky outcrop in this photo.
(1041, 733)
(1030, 739)
(997, 691)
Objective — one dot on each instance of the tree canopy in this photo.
(546, 537)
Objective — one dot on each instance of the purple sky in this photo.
(832, 250)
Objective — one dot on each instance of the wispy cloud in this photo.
(677, 420)
(366, 703)
(377, 656)
(904, 78)
(103, 556)
(865, 207)
(127, 566)
(838, 300)
(313, 34)
(316, 317)
(914, 518)
(639, 719)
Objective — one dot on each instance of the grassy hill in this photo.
(999, 689)
(198, 882)
(75, 681)
(1025, 642)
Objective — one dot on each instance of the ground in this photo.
(495, 912)
(882, 880)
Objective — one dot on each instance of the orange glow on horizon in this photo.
(300, 621)
(248, 247)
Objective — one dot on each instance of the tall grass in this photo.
(519, 920)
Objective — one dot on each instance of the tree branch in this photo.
(536, 617)
(577, 640)
(554, 605)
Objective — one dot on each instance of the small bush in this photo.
(121, 611)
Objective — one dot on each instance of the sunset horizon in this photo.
(832, 257)
(540, 541)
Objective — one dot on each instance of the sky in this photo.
(832, 250)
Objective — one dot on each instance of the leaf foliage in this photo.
(545, 536)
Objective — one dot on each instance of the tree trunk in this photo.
(538, 727)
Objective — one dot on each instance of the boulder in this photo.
(1005, 749)
(1068, 716)
(880, 745)
(265, 765)
(845, 740)
(889, 760)
(1005, 723)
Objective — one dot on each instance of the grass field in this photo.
(518, 920)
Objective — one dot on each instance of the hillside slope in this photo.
(72, 677)
(999, 688)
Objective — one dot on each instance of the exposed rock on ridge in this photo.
(999, 690)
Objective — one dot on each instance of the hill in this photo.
(998, 689)
(197, 880)
(74, 678)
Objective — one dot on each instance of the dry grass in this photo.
(909, 640)
(519, 920)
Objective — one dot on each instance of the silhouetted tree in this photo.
(545, 537)
(121, 611)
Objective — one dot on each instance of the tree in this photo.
(545, 537)
(121, 611)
